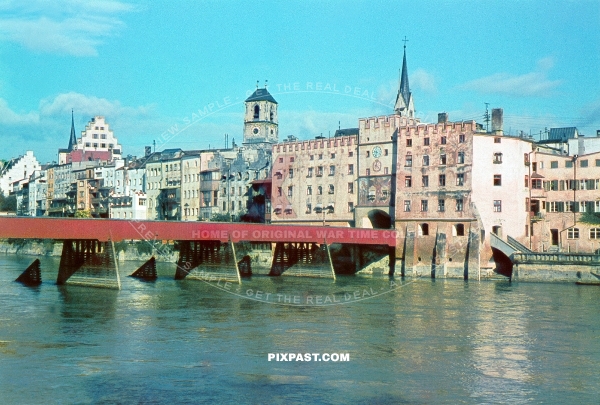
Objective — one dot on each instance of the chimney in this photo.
(442, 118)
(497, 121)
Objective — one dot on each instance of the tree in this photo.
(9, 203)
(83, 214)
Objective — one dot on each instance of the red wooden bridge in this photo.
(206, 249)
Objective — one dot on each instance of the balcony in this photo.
(536, 216)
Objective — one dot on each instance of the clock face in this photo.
(376, 164)
(255, 130)
(376, 151)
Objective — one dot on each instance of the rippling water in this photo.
(422, 342)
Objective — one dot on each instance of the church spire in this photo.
(404, 103)
(73, 138)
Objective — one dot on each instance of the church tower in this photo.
(404, 101)
(73, 137)
(260, 120)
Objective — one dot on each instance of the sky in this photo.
(151, 67)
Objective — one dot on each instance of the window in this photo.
(461, 138)
(408, 162)
(583, 163)
(331, 189)
(332, 155)
(426, 141)
(409, 142)
(443, 140)
(350, 169)
(459, 204)
(290, 191)
(408, 181)
(459, 230)
(332, 170)
(350, 206)
(279, 192)
(460, 158)
(95, 136)
(536, 184)
(568, 163)
(309, 190)
(368, 154)
(526, 181)
(406, 205)
(350, 188)
(425, 160)
(423, 230)
(312, 157)
(442, 180)
(87, 144)
(425, 181)
(497, 140)
(597, 162)
(460, 179)
(95, 145)
(280, 160)
(569, 206)
(320, 171)
(368, 172)
(497, 205)
(385, 152)
(350, 153)
(497, 179)
(595, 233)
(291, 173)
(497, 157)
(573, 233)
(424, 205)
(310, 172)
(320, 156)
(554, 164)
(319, 190)
(385, 170)
(291, 159)
(308, 208)
(441, 205)
(442, 159)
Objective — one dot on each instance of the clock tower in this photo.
(260, 120)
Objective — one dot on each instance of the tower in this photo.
(73, 138)
(260, 120)
(404, 102)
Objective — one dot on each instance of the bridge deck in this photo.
(117, 230)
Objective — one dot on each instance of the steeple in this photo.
(404, 103)
(73, 138)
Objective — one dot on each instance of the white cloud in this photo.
(533, 84)
(422, 80)
(74, 27)
(88, 105)
(9, 117)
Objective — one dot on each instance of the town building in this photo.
(97, 142)
(314, 181)
(17, 169)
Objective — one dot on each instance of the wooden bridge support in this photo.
(302, 259)
(146, 271)
(209, 260)
(89, 263)
(32, 276)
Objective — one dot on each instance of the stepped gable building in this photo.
(97, 142)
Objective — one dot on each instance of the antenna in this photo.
(257, 85)
(266, 82)
(486, 118)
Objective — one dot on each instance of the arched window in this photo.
(256, 112)
(271, 115)
(458, 230)
(423, 229)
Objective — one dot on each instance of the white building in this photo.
(98, 137)
(17, 169)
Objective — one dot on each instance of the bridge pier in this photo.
(32, 276)
(90, 263)
(302, 259)
(146, 271)
(209, 260)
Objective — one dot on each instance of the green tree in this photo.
(9, 203)
(83, 214)
(224, 218)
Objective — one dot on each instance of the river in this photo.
(409, 341)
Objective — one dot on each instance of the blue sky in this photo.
(149, 66)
